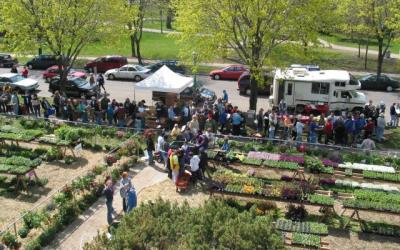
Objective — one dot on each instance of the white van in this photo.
(300, 87)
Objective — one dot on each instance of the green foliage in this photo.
(23, 232)
(374, 200)
(33, 219)
(69, 159)
(33, 245)
(307, 240)
(54, 153)
(10, 240)
(215, 225)
(381, 176)
(281, 164)
(382, 228)
(321, 199)
(302, 227)
(250, 161)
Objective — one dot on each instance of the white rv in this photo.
(300, 87)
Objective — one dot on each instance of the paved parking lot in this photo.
(120, 90)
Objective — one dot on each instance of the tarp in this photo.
(165, 80)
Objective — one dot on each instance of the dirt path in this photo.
(86, 227)
(57, 174)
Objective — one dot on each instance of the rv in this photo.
(301, 87)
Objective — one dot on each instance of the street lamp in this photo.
(194, 57)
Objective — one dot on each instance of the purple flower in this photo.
(292, 158)
(286, 178)
(329, 163)
(328, 182)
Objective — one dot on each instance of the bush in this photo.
(54, 153)
(23, 232)
(296, 213)
(33, 219)
(69, 159)
(156, 225)
(10, 240)
(99, 169)
(33, 245)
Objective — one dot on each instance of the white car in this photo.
(18, 82)
(128, 72)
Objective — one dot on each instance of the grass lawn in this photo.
(153, 46)
(344, 40)
(333, 59)
(156, 24)
(392, 139)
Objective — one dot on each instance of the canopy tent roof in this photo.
(165, 80)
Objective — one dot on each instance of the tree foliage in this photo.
(247, 30)
(62, 27)
(215, 225)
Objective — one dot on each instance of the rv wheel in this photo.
(300, 109)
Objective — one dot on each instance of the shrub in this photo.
(33, 245)
(33, 219)
(69, 159)
(296, 213)
(23, 232)
(99, 169)
(54, 153)
(10, 240)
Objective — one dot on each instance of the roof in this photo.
(8, 75)
(301, 74)
(165, 80)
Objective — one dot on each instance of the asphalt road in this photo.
(120, 90)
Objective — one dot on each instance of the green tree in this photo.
(247, 30)
(63, 27)
(135, 13)
(381, 19)
(215, 225)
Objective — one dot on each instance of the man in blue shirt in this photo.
(225, 96)
(236, 121)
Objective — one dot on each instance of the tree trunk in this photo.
(133, 50)
(253, 92)
(359, 48)
(138, 54)
(170, 15)
(366, 54)
(381, 55)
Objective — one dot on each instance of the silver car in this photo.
(18, 82)
(128, 72)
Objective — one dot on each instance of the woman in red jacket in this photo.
(328, 130)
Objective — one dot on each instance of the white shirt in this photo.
(160, 141)
(194, 163)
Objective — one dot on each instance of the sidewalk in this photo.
(86, 227)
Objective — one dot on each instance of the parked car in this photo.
(384, 82)
(18, 82)
(102, 64)
(54, 71)
(171, 64)
(232, 72)
(244, 84)
(6, 60)
(75, 87)
(42, 62)
(128, 72)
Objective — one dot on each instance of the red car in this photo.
(54, 71)
(102, 64)
(232, 72)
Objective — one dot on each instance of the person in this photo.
(282, 107)
(236, 122)
(202, 142)
(120, 115)
(225, 97)
(313, 127)
(25, 72)
(28, 102)
(288, 125)
(273, 122)
(185, 113)
(266, 123)
(164, 147)
(368, 144)
(195, 166)
(171, 117)
(109, 194)
(14, 103)
(14, 69)
(380, 127)
(175, 132)
(125, 184)
(174, 165)
(260, 120)
(82, 109)
(369, 128)
(225, 147)
(223, 118)
(328, 130)
(150, 148)
(349, 125)
(393, 115)
(340, 131)
(299, 129)
(36, 105)
(210, 125)
(57, 103)
(194, 124)
(100, 81)
(91, 79)
(132, 199)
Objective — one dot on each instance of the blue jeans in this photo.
(36, 109)
(299, 137)
(313, 138)
(271, 133)
(121, 123)
(379, 133)
(110, 211)
(16, 109)
(151, 158)
(164, 156)
(85, 117)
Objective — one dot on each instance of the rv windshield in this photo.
(353, 80)
(353, 93)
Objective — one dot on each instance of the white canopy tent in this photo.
(165, 80)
